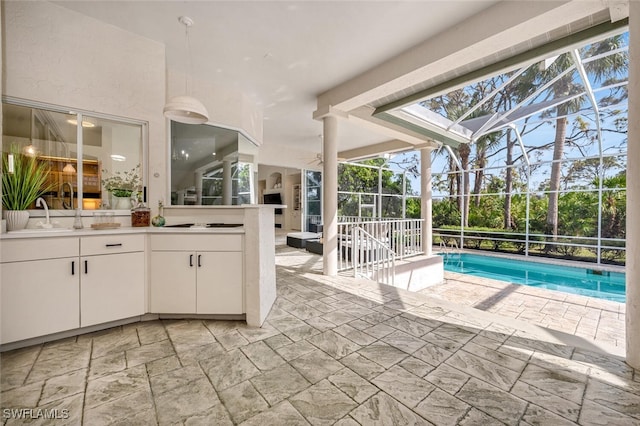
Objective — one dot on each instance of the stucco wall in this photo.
(227, 108)
(57, 56)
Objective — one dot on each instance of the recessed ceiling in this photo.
(283, 54)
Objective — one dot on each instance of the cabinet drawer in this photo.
(108, 244)
(208, 242)
(38, 248)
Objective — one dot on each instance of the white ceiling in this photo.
(282, 54)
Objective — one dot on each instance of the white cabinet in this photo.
(219, 283)
(39, 287)
(49, 285)
(112, 278)
(200, 274)
(39, 297)
(173, 282)
(112, 287)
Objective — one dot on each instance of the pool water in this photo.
(583, 281)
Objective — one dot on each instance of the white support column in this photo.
(330, 195)
(633, 193)
(426, 201)
(227, 183)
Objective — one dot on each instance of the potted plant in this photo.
(122, 185)
(24, 179)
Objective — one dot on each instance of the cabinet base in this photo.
(70, 333)
(229, 317)
(84, 330)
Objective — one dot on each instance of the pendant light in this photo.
(184, 108)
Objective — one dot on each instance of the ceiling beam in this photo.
(375, 150)
(523, 60)
(496, 28)
(363, 116)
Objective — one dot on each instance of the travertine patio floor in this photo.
(333, 350)
(593, 319)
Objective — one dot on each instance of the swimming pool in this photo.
(583, 281)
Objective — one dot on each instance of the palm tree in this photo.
(606, 68)
(453, 105)
(508, 181)
(464, 150)
(484, 146)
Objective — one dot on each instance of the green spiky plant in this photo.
(27, 182)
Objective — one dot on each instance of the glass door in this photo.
(312, 199)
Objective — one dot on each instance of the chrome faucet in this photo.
(64, 203)
(40, 202)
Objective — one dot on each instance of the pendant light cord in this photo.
(187, 22)
(185, 108)
(190, 65)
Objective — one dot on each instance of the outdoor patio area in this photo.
(588, 317)
(334, 350)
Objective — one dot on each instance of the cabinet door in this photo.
(38, 298)
(173, 282)
(111, 287)
(219, 283)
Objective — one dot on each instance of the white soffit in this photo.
(407, 112)
(494, 58)
(468, 130)
(499, 28)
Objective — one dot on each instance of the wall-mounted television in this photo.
(273, 198)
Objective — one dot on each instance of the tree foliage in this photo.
(564, 197)
(359, 188)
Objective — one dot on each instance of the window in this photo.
(211, 165)
(82, 163)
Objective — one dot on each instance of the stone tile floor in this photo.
(593, 319)
(333, 351)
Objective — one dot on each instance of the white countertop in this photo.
(232, 207)
(64, 232)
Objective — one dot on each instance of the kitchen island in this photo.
(58, 284)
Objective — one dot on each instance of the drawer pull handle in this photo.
(86, 266)
(114, 245)
(73, 267)
(191, 261)
(199, 263)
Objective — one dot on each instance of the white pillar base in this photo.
(419, 273)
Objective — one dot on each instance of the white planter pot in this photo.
(122, 203)
(16, 219)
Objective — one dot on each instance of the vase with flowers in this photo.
(122, 185)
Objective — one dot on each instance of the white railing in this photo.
(317, 219)
(452, 248)
(358, 219)
(371, 258)
(402, 236)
